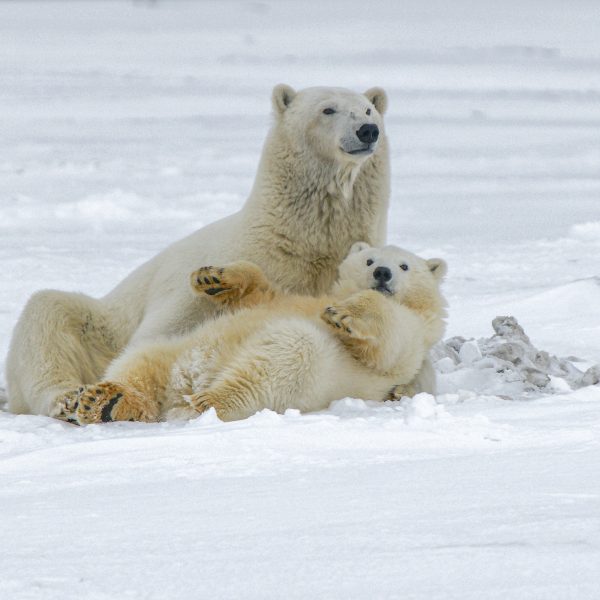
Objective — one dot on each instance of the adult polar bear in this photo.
(322, 184)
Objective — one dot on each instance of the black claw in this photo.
(216, 280)
(213, 291)
(206, 280)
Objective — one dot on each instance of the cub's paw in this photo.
(192, 406)
(183, 410)
(400, 391)
(345, 323)
(212, 281)
(104, 402)
(65, 407)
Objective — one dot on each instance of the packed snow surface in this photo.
(127, 125)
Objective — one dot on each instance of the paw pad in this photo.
(209, 281)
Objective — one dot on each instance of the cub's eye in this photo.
(369, 262)
(328, 111)
(404, 267)
(368, 111)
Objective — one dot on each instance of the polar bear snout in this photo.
(382, 276)
(368, 133)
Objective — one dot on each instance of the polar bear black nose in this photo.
(382, 274)
(368, 133)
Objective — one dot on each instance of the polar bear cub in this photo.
(269, 349)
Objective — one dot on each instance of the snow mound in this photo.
(508, 365)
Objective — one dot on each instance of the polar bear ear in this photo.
(282, 97)
(378, 98)
(358, 247)
(438, 267)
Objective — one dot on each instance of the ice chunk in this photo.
(469, 352)
(445, 365)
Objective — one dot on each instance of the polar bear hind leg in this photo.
(103, 402)
(134, 389)
(61, 341)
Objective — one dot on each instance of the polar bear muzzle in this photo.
(368, 133)
(382, 276)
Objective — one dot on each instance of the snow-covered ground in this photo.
(124, 126)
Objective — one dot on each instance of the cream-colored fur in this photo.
(318, 189)
(269, 349)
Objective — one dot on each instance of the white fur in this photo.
(266, 358)
(352, 270)
(310, 201)
(281, 354)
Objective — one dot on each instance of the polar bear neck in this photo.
(314, 193)
(316, 205)
(304, 213)
(342, 183)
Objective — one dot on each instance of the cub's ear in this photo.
(358, 247)
(438, 267)
(282, 97)
(378, 98)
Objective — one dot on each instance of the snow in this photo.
(126, 125)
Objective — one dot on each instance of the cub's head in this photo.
(394, 272)
(333, 123)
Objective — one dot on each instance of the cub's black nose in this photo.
(368, 133)
(382, 274)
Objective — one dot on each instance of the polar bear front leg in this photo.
(104, 402)
(360, 317)
(425, 381)
(236, 285)
(360, 322)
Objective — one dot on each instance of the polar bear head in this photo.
(394, 272)
(334, 124)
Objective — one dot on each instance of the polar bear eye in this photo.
(369, 262)
(404, 267)
(368, 111)
(328, 111)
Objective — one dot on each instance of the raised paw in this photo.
(211, 280)
(345, 323)
(104, 402)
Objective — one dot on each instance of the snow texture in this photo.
(127, 125)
